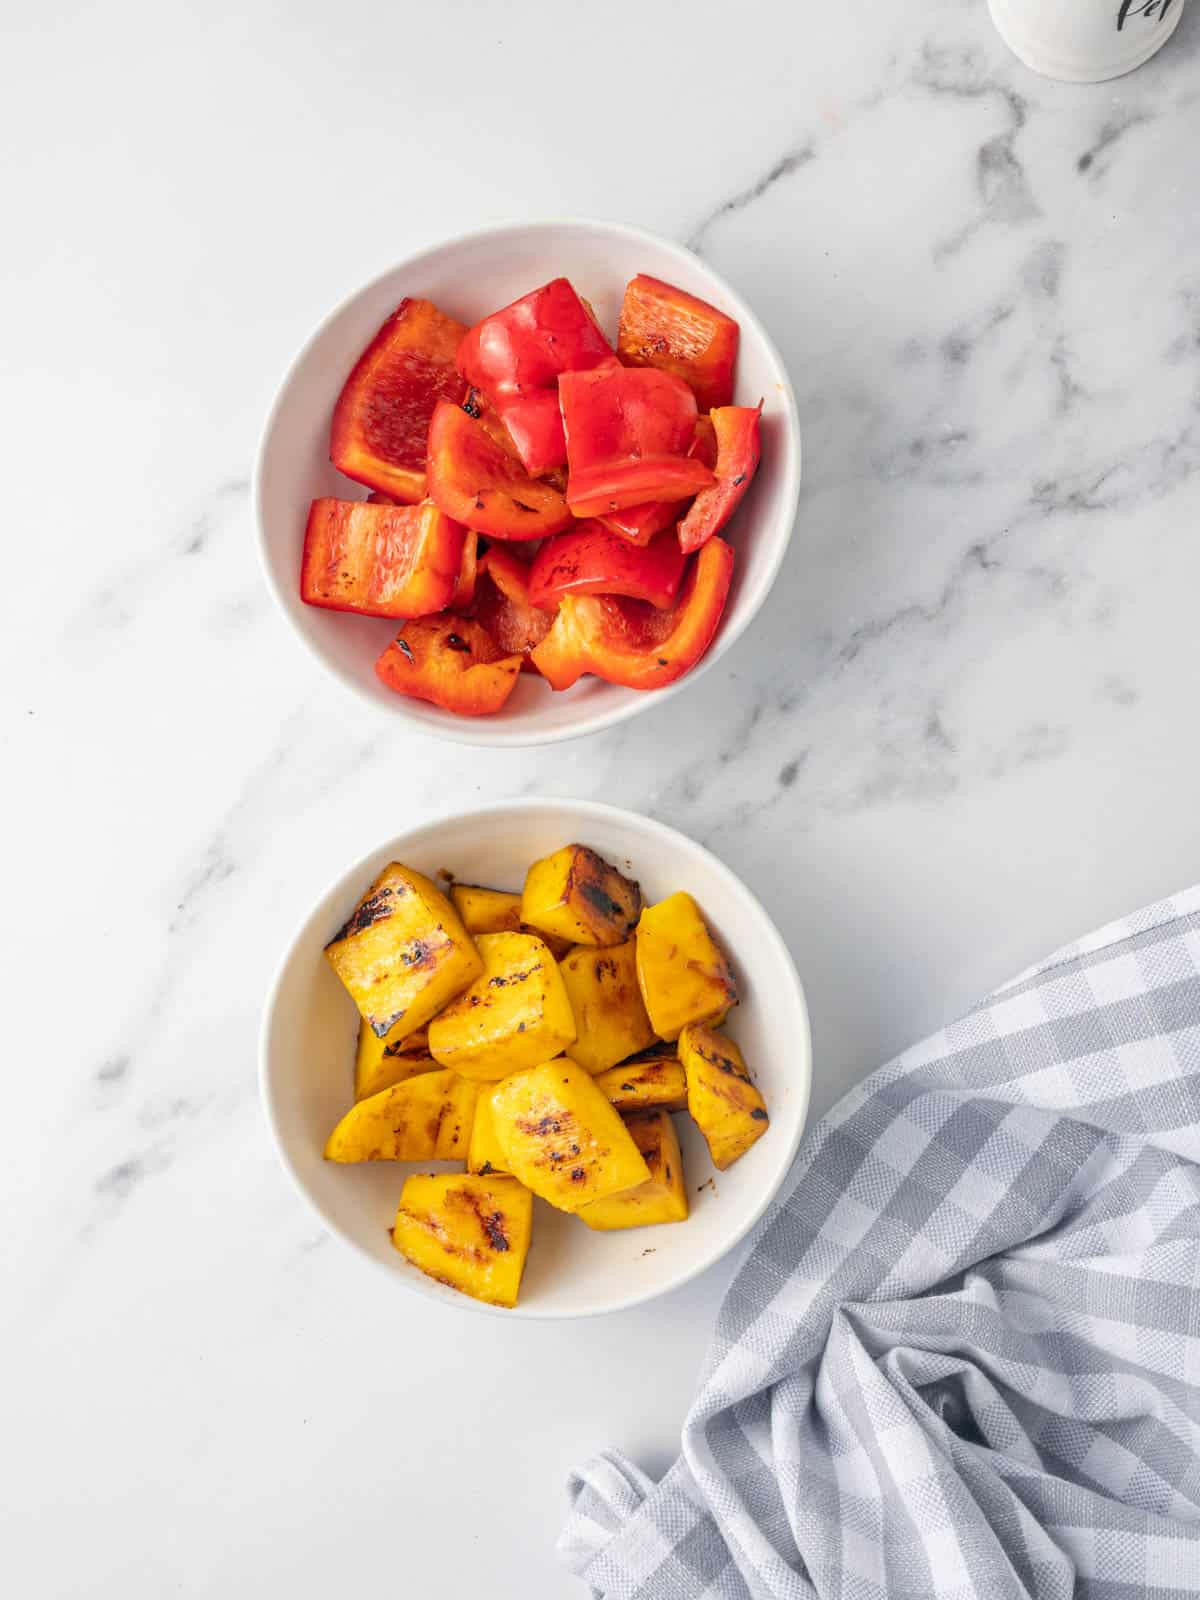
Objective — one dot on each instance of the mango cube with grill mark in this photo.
(496, 911)
(469, 1232)
(484, 1153)
(575, 894)
(425, 1118)
(403, 953)
(380, 1063)
(727, 1108)
(515, 1015)
(562, 1138)
(653, 1077)
(663, 1196)
(683, 973)
(610, 1019)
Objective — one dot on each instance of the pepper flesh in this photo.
(639, 524)
(628, 434)
(381, 419)
(515, 356)
(505, 606)
(738, 453)
(451, 662)
(665, 327)
(631, 643)
(591, 560)
(380, 560)
(478, 483)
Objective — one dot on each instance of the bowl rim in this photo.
(652, 829)
(480, 731)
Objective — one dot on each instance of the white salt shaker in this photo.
(1085, 41)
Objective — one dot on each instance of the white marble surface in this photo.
(964, 730)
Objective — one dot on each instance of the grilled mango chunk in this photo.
(663, 1197)
(654, 1077)
(683, 974)
(382, 1062)
(403, 954)
(727, 1108)
(469, 1232)
(484, 1154)
(425, 1118)
(562, 1138)
(609, 1015)
(496, 911)
(515, 1015)
(575, 894)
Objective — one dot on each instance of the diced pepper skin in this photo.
(451, 662)
(471, 1233)
(575, 894)
(663, 1197)
(380, 1063)
(682, 971)
(639, 524)
(653, 1077)
(628, 434)
(739, 451)
(425, 1118)
(515, 1015)
(381, 420)
(591, 560)
(484, 1154)
(463, 597)
(403, 953)
(610, 1019)
(562, 1138)
(515, 357)
(631, 643)
(380, 560)
(667, 328)
(496, 911)
(476, 482)
(724, 1103)
(505, 606)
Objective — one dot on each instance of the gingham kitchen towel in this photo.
(962, 1359)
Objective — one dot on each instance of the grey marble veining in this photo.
(959, 733)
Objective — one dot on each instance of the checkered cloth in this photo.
(962, 1360)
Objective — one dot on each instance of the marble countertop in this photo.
(962, 732)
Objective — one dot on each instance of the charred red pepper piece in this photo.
(381, 420)
(505, 606)
(450, 662)
(665, 327)
(463, 596)
(628, 433)
(639, 524)
(591, 560)
(631, 643)
(738, 454)
(478, 483)
(515, 357)
(380, 560)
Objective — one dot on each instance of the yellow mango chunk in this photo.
(654, 1077)
(725, 1105)
(469, 1232)
(610, 1019)
(683, 973)
(562, 1138)
(425, 1118)
(484, 1154)
(575, 894)
(663, 1197)
(379, 1063)
(515, 1015)
(403, 954)
(497, 911)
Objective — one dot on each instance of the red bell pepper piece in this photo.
(463, 596)
(631, 643)
(738, 454)
(380, 560)
(628, 433)
(639, 524)
(505, 606)
(381, 420)
(665, 327)
(451, 662)
(591, 560)
(516, 355)
(478, 483)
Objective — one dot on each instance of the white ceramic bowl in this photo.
(468, 277)
(310, 1026)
